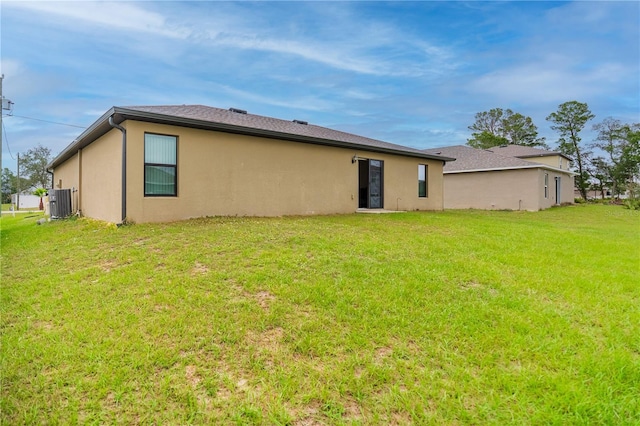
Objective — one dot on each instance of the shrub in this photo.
(632, 204)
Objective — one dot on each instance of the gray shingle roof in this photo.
(269, 124)
(205, 117)
(468, 159)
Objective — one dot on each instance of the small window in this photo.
(422, 180)
(160, 165)
(546, 185)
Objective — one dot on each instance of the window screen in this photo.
(160, 165)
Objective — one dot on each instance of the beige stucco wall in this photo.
(521, 189)
(95, 173)
(222, 174)
(556, 161)
(566, 188)
(66, 176)
(101, 183)
(493, 190)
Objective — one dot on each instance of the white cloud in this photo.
(110, 14)
(554, 77)
(307, 103)
(364, 55)
(364, 46)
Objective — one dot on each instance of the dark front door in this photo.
(370, 184)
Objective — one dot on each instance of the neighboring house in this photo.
(505, 178)
(165, 163)
(596, 194)
(602, 194)
(26, 201)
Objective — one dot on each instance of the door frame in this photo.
(364, 188)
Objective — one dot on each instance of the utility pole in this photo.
(18, 185)
(6, 105)
(1, 136)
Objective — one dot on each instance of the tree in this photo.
(569, 121)
(33, 166)
(630, 162)
(520, 130)
(486, 139)
(40, 192)
(616, 140)
(501, 127)
(9, 185)
(599, 171)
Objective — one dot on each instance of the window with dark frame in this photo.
(546, 185)
(422, 180)
(160, 165)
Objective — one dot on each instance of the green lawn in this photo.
(457, 317)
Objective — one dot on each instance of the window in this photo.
(546, 185)
(422, 180)
(160, 166)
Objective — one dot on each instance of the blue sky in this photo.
(412, 73)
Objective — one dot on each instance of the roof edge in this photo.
(251, 131)
(101, 126)
(90, 134)
(550, 154)
(532, 166)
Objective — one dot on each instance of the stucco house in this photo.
(508, 177)
(166, 163)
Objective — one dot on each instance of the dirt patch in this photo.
(359, 371)
(269, 345)
(271, 338)
(242, 384)
(160, 308)
(309, 416)
(264, 299)
(43, 325)
(470, 285)
(199, 269)
(223, 394)
(398, 418)
(192, 376)
(107, 265)
(383, 353)
(353, 411)
(308, 421)
(140, 241)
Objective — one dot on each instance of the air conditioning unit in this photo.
(60, 203)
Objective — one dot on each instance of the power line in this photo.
(45, 121)
(7, 140)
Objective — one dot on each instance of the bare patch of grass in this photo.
(264, 299)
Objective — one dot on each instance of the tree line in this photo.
(33, 178)
(617, 168)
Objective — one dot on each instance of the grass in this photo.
(457, 317)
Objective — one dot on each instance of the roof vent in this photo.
(301, 122)
(239, 111)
